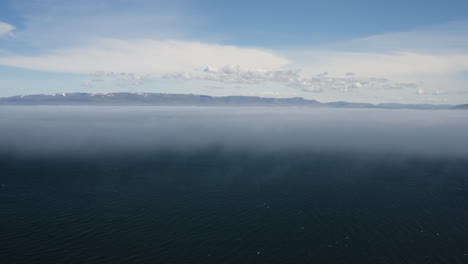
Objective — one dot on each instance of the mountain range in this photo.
(160, 99)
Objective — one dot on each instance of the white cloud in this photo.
(130, 80)
(439, 92)
(123, 79)
(6, 29)
(86, 84)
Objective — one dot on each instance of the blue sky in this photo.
(367, 51)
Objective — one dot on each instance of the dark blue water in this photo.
(223, 206)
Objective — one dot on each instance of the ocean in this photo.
(232, 185)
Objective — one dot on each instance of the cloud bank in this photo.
(145, 56)
(321, 82)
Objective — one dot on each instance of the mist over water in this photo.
(232, 185)
(88, 129)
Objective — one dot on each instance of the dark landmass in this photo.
(465, 106)
(159, 99)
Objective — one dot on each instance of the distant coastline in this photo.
(161, 99)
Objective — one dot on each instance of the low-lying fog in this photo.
(60, 129)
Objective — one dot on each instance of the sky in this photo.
(335, 50)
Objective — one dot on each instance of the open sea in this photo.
(232, 185)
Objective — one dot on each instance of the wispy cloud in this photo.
(55, 24)
(447, 37)
(390, 65)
